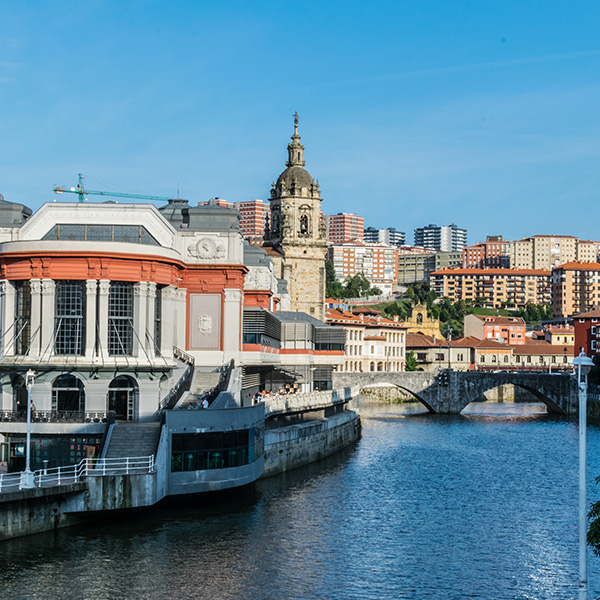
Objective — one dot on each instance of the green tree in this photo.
(411, 362)
(593, 534)
(333, 288)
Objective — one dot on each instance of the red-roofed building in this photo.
(373, 343)
(507, 330)
(494, 287)
(587, 332)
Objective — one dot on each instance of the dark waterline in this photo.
(423, 507)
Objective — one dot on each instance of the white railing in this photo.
(88, 467)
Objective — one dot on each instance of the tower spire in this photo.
(295, 149)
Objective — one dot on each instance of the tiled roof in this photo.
(575, 265)
(491, 272)
(499, 320)
(544, 348)
(592, 314)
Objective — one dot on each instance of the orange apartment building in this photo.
(344, 227)
(493, 287)
(377, 262)
(575, 288)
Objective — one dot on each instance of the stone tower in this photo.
(296, 233)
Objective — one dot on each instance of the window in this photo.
(158, 320)
(120, 319)
(219, 450)
(136, 234)
(122, 397)
(68, 394)
(22, 317)
(69, 318)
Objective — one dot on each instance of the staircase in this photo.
(132, 439)
(203, 382)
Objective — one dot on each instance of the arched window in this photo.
(304, 224)
(419, 318)
(506, 359)
(68, 394)
(380, 366)
(19, 394)
(372, 366)
(122, 397)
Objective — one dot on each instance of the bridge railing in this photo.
(88, 467)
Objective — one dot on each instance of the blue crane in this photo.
(82, 192)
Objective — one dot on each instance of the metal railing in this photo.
(88, 467)
(55, 416)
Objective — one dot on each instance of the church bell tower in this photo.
(296, 232)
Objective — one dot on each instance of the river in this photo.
(423, 507)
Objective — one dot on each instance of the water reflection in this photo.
(423, 507)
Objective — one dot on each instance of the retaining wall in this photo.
(298, 445)
(40, 509)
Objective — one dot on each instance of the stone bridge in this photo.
(449, 391)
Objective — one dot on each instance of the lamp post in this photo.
(583, 364)
(449, 350)
(27, 476)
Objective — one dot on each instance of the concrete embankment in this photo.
(297, 445)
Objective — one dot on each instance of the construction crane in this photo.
(82, 192)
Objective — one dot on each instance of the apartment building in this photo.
(494, 253)
(446, 238)
(575, 288)
(373, 343)
(418, 266)
(252, 217)
(344, 227)
(507, 330)
(377, 262)
(390, 236)
(547, 252)
(587, 332)
(493, 287)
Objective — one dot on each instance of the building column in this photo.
(91, 290)
(36, 317)
(140, 314)
(47, 322)
(180, 318)
(232, 323)
(102, 317)
(167, 321)
(7, 291)
(150, 315)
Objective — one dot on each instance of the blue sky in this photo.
(482, 113)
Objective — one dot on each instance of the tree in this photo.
(333, 288)
(411, 362)
(375, 291)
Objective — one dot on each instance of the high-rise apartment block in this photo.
(575, 288)
(344, 227)
(252, 220)
(446, 237)
(494, 253)
(377, 262)
(388, 236)
(549, 251)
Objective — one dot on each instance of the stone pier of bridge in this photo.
(448, 391)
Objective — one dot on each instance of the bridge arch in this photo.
(391, 384)
(551, 405)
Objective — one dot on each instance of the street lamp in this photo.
(27, 475)
(583, 364)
